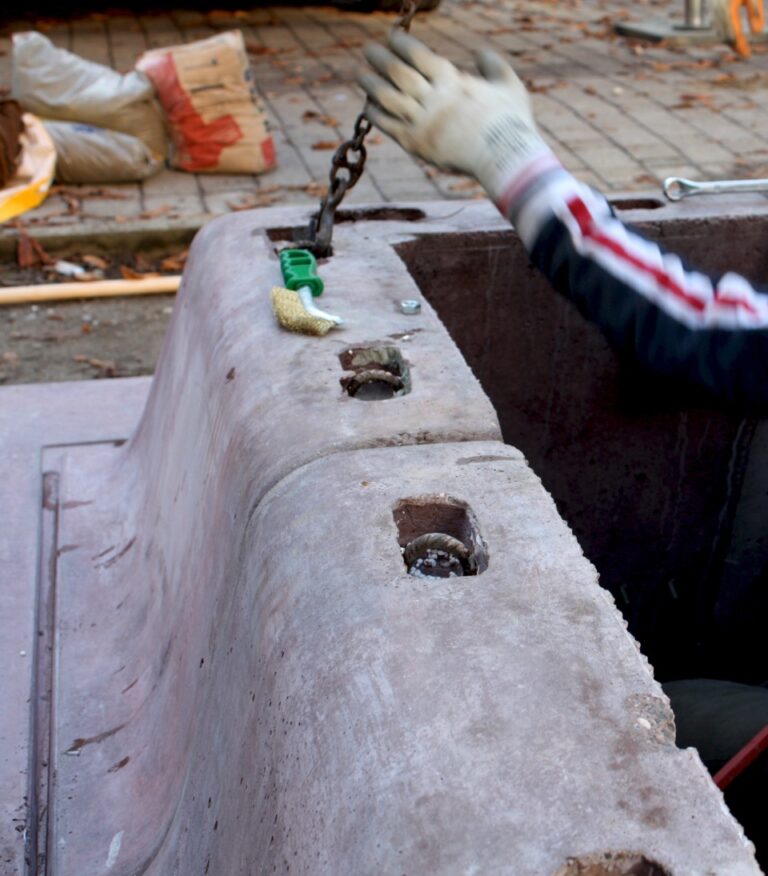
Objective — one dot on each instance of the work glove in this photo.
(478, 125)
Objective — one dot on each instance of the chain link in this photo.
(346, 166)
(407, 11)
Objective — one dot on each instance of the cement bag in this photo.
(56, 84)
(86, 154)
(34, 172)
(215, 119)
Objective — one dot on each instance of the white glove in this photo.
(479, 126)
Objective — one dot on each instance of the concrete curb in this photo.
(144, 235)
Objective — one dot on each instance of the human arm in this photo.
(673, 320)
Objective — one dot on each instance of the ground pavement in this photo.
(621, 114)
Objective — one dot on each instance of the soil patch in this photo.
(89, 338)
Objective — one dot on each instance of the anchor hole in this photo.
(439, 538)
(377, 373)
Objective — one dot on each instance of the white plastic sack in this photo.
(87, 154)
(56, 84)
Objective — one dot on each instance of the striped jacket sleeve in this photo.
(673, 320)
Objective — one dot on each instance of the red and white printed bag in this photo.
(216, 122)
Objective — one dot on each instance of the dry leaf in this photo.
(316, 189)
(30, 253)
(158, 211)
(94, 261)
(322, 118)
(689, 101)
(249, 203)
(256, 49)
(326, 144)
(107, 366)
(130, 274)
(176, 262)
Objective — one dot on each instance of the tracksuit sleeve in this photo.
(649, 305)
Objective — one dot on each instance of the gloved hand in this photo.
(480, 126)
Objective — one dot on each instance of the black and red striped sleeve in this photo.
(673, 320)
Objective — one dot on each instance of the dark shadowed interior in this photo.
(660, 483)
(665, 488)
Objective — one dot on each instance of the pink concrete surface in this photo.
(243, 677)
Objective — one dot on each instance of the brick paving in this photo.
(621, 114)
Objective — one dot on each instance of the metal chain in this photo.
(346, 166)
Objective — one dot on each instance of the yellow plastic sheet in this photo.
(35, 174)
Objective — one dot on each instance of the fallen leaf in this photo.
(130, 274)
(176, 262)
(29, 252)
(107, 366)
(322, 118)
(326, 144)
(158, 211)
(249, 203)
(256, 49)
(94, 261)
(315, 189)
(140, 263)
(73, 203)
(689, 101)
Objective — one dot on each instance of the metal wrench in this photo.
(676, 188)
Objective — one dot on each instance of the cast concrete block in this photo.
(290, 698)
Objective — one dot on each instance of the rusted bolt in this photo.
(437, 555)
(393, 382)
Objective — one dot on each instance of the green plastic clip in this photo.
(300, 269)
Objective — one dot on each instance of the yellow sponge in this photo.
(292, 315)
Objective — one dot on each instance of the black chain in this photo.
(407, 11)
(346, 167)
